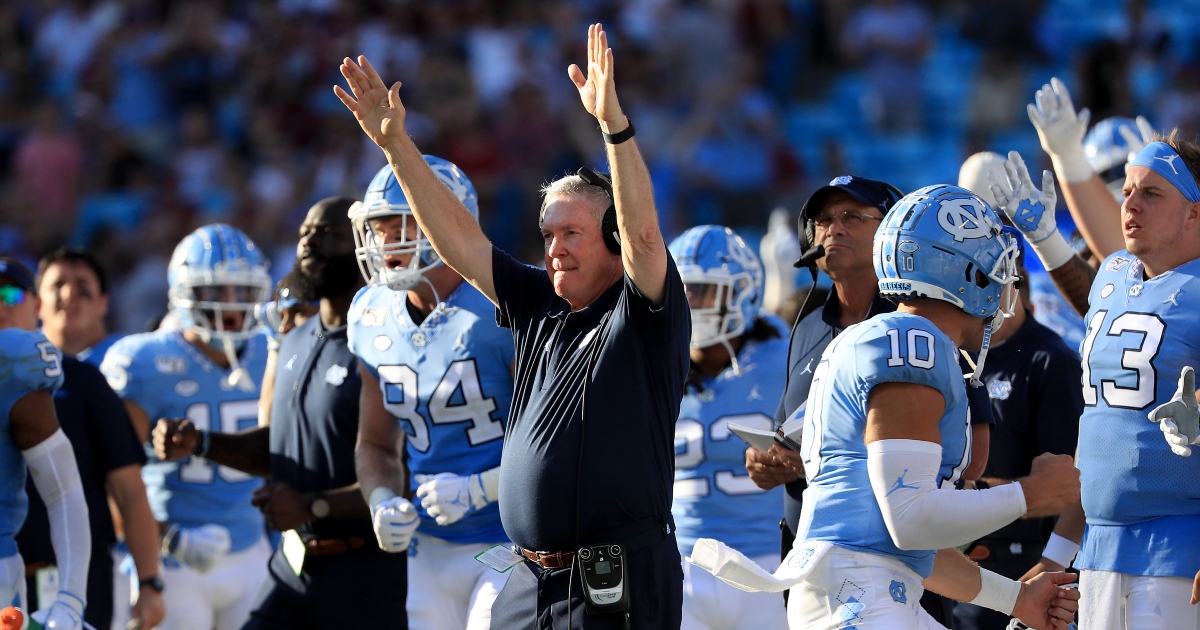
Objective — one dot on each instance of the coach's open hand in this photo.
(174, 439)
(1052, 484)
(597, 89)
(377, 108)
(1043, 604)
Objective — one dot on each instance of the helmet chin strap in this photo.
(983, 350)
(737, 371)
(239, 377)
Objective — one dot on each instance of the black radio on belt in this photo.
(603, 580)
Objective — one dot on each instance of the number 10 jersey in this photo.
(1142, 501)
(448, 382)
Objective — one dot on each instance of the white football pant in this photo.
(1118, 601)
(122, 590)
(865, 591)
(710, 604)
(448, 587)
(220, 599)
(12, 583)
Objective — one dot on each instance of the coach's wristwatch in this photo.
(319, 507)
(153, 582)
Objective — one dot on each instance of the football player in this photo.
(209, 372)
(886, 436)
(1139, 554)
(739, 356)
(32, 439)
(437, 383)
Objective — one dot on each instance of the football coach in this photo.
(602, 354)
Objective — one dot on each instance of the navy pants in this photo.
(363, 588)
(536, 599)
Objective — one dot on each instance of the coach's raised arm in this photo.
(602, 354)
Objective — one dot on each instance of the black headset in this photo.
(608, 224)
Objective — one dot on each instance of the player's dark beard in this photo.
(329, 277)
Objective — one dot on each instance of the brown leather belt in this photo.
(547, 560)
(317, 547)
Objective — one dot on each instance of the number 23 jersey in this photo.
(449, 384)
(1140, 334)
(168, 377)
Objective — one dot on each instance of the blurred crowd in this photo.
(124, 124)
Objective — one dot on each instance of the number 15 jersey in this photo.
(448, 382)
(1141, 500)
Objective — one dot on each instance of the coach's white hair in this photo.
(572, 186)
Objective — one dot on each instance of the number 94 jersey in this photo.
(449, 384)
(1140, 334)
(28, 363)
(839, 505)
(714, 497)
(168, 377)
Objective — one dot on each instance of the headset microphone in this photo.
(810, 257)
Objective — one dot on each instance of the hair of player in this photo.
(73, 255)
(572, 186)
(1189, 151)
(762, 330)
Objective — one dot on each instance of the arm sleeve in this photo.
(521, 290)
(56, 477)
(918, 514)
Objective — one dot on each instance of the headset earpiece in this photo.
(608, 223)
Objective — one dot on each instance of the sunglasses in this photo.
(11, 295)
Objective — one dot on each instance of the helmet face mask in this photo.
(384, 199)
(723, 280)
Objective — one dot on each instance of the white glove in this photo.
(779, 250)
(394, 520)
(448, 497)
(1061, 130)
(1138, 141)
(1179, 418)
(197, 547)
(66, 613)
(1031, 210)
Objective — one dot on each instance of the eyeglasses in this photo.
(11, 295)
(849, 218)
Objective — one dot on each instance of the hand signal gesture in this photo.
(1031, 210)
(1179, 418)
(174, 439)
(597, 89)
(377, 107)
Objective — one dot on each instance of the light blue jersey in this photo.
(449, 384)
(1142, 501)
(839, 505)
(28, 363)
(95, 354)
(714, 497)
(168, 377)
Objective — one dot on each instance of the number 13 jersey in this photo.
(1140, 334)
(448, 382)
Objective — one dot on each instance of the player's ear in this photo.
(1193, 214)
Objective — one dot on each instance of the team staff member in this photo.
(340, 578)
(107, 450)
(601, 335)
(843, 218)
(74, 290)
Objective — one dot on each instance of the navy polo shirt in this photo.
(102, 437)
(637, 356)
(810, 337)
(314, 419)
(1033, 379)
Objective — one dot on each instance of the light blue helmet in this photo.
(1108, 151)
(214, 271)
(946, 243)
(385, 198)
(716, 256)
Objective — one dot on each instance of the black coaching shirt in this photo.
(1033, 381)
(314, 420)
(810, 337)
(637, 358)
(102, 437)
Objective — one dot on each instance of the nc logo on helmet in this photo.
(964, 218)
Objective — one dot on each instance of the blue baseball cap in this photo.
(17, 273)
(869, 192)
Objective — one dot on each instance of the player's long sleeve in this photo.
(55, 475)
(918, 514)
